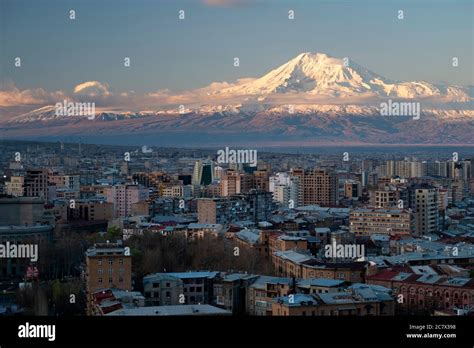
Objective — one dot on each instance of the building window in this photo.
(120, 261)
(100, 262)
(110, 280)
(111, 261)
(100, 271)
(168, 294)
(120, 280)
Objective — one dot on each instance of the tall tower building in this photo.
(316, 186)
(231, 183)
(203, 173)
(123, 196)
(423, 200)
(36, 183)
(285, 189)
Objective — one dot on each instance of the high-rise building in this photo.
(423, 200)
(261, 205)
(316, 186)
(36, 183)
(123, 196)
(352, 189)
(89, 210)
(222, 210)
(389, 197)
(285, 189)
(457, 191)
(231, 183)
(218, 172)
(70, 182)
(256, 206)
(261, 180)
(203, 173)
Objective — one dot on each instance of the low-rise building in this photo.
(425, 293)
(180, 287)
(360, 300)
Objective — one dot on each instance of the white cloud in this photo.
(12, 96)
(92, 89)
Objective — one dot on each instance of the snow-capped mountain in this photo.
(312, 95)
(322, 75)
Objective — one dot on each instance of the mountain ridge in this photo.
(311, 95)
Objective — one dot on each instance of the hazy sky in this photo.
(58, 53)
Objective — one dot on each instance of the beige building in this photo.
(108, 265)
(231, 183)
(15, 187)
(365, 222)
(123, 196)
(352, 189)
(279, 242)
(363, 301)
(36, 183)
(425, 205)
(90, 210)
(316, 186)
(207, 211)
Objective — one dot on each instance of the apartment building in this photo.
(123, 196)
(365, 222)
(316, 186)
(108, 265)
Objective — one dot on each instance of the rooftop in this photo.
(203, 309)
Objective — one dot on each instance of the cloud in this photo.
(12, 96)
(92, 89)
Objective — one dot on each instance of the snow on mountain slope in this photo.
(322, 75)
(310, 83)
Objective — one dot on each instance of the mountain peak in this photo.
(319, 74)
(313, 55)
(313, 72)
(316, 58)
